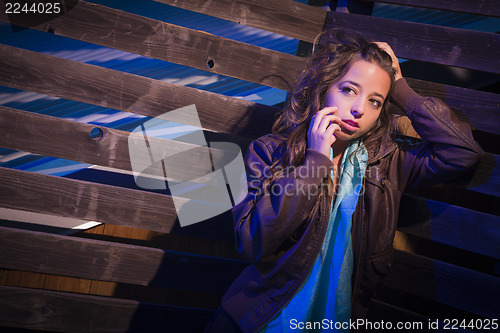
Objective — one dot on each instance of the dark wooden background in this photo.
(139, 270)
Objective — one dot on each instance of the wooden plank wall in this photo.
(139, 271)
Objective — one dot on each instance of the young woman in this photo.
(324, 189)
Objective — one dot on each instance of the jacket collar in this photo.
(387, 146)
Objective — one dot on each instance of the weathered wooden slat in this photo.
(456, 226)
(32, 71)
(481, 7)
(69, 79)
(478, 108)
(379, 311)
(485, 179)
(86, 200)
(152, 38)
(445, 283)
(188, 54)
(67, 312)
(402, 319)
(107, 261)
(46, 135)
(284, 17)
(55, 137)
(417, 41)
(51, 136)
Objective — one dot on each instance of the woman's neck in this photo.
(339, 148)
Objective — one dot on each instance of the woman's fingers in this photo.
(318, 117)
(395, 62)
(322, 128)
(387, 48)
(334, 126)
(327, 121)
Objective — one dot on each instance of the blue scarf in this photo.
(325, 297)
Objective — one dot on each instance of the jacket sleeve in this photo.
(270, 214)
(448, 149)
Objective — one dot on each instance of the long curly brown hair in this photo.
(324, 68)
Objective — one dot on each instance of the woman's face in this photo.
(359, 96)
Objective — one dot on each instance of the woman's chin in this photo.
(347, 136)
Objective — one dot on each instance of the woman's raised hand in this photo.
(395, 62)
(321, 133)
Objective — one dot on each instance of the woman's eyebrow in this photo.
(379, 95)
(353, 83)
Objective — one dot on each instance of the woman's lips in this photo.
(350, 125)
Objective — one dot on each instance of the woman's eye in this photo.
(376, 103)
(348, 90)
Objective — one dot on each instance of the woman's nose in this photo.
(357, 110)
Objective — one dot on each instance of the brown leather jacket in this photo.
(275, 231)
